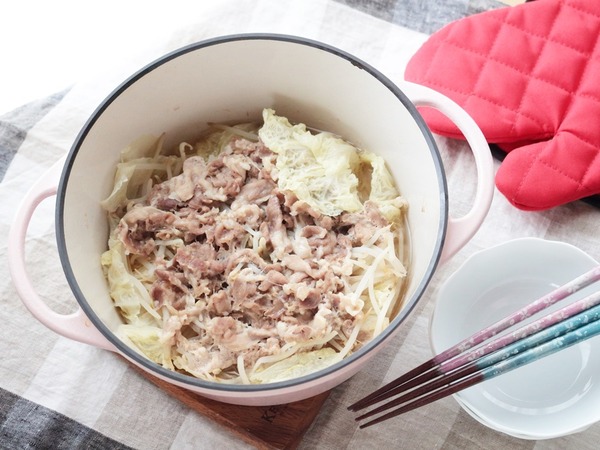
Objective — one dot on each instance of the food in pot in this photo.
(259, 254)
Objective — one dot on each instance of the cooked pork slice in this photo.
(363, 225)
(244, 257)
(320, 241)
(219, 303)
(230, 333)
(297, 264)
(272, 278)
(198, 261)
(139, 226)
(170, 288)
(276, 230)
(250, 215)
(200, 359)
(255, 191)
(194, 224)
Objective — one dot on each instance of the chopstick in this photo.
(441, 363)
(459, 367)
(541, 344)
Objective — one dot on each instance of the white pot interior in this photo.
(232, 80)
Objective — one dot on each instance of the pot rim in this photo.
(180, 378)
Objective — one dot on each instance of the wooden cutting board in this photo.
(265, 427)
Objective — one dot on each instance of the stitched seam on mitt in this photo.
(508, 66)
(546, 37)
(584, 11)
(581, 185)
(529, 79)
(479, 75)
(433, 84)
(426, 79)
(574, 92)
(513, 128)
(433, 57)
(583, 182)
(582, 139)
(560, 171)
(572, 104)
(590, 96)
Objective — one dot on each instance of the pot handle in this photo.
(76, 325)
(461, 229)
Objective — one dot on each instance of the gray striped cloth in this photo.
(60, 394)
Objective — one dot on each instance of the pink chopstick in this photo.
(442, 363)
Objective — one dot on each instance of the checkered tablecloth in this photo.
(59, 394)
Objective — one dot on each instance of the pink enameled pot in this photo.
(231, 79)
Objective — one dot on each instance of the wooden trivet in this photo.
(265, 427)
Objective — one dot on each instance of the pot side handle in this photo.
(74, 326)
(460, 230)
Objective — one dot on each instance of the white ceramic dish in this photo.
(552, 397)
(231, 79)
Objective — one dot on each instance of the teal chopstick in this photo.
(461, 353)
(536, 340)
(480, 365)
(569, 339)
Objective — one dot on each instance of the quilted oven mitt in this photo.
(529, 75)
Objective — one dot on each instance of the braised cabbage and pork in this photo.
(261, 253)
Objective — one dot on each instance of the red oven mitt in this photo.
(529, 76)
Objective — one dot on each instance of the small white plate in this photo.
(552, 397)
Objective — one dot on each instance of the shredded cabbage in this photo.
(323, 170)
(318, 168)
(128, 293)
(148, 341)
(295, 366)
(382, 188)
